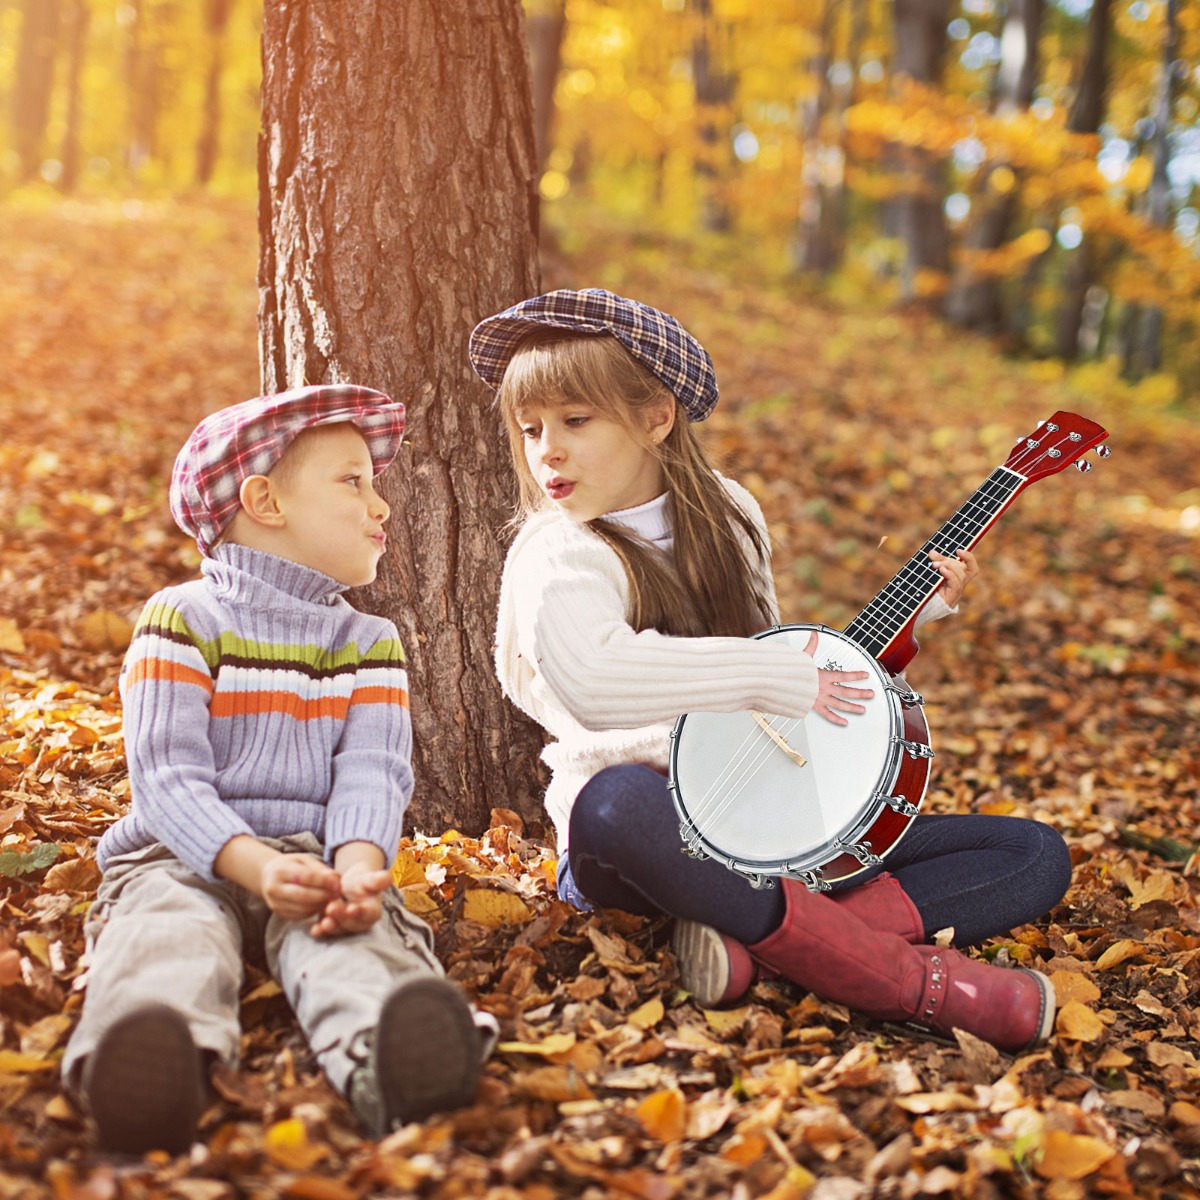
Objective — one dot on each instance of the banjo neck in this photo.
(884, 629)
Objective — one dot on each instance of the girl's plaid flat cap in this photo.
(230, 445)
(654, 338)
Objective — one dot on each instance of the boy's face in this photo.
(333, 517)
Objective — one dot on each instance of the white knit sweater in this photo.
(567, 656)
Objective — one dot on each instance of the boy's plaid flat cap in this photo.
(246, 439)
(654, 338)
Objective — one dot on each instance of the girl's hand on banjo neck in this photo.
(836, 693)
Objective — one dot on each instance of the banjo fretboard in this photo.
(898, 601)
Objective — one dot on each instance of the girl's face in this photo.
(588, 464)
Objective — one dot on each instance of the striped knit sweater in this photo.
(258, 701)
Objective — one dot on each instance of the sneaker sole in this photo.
(426, 1051)
(146, 1083)
(704, 969)
(1048, 1010)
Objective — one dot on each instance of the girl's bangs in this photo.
(553, 372)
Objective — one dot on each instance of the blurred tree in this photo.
(1147, 346)
(78, 18)
(975, 299)
(819, 233)
(35, 78)
(546, 22)
(216, 21)
(715, 89)
(1087, 111)
(397, 207)
(920, 33)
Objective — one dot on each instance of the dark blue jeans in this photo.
(982, 875)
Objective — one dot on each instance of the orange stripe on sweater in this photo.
(172, 672)
(242, 704)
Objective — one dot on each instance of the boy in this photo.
(268, 739)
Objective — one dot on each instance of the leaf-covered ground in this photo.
(1065, 690)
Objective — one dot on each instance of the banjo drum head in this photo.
(753, 804)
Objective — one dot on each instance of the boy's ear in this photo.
(259, 501)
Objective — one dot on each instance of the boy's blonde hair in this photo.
(709, 589)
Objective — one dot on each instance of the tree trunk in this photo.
(34, 81)
(975, 301)
(817, 249)
(714, 92)
(1149, 348)
(920, 28)
(78, 19)
(1087, 111)
(546, 24)
(397, 207)
(216, 19)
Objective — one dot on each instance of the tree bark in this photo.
(397, 207)
(34, 80)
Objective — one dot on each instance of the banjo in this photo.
(770, 796)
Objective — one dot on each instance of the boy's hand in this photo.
(956, 573)
(359, 906)
(298, 886)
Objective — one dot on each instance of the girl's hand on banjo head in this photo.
(836, 693)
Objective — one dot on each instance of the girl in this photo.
(628, 597)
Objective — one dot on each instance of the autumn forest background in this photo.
(907, 231)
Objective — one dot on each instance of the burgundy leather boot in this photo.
(830, 951)
(718, 969)
(885, 906)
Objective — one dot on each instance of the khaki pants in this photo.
(158, 933)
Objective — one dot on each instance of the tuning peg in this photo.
(1083, 466)
(1103, 451)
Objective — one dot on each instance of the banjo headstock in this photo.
(1064, 439)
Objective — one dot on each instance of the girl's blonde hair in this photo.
(709, 589)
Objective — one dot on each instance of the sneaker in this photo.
(145, 1083)
(424, 1057)
(715, 968)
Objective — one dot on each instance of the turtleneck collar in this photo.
(651, 521)
(253, 575)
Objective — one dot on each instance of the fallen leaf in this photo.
(556, 1043)
(286, 1144)
(104, 630)
(11, 641)
(648, 1015)
(1074, 985)
(663, 1115)
(1118, 953)
(1070, 1155)
(1078, 1023)
(494, 908)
